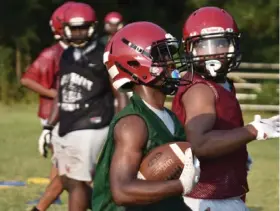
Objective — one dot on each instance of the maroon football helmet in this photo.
(79, 23)
(113, 22)
(143, 53)
(57, 20)
(211, 41)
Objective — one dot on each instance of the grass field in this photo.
(19, 131)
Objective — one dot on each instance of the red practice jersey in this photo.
(226, 176)
(44, 71)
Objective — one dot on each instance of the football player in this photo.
(84, 106)
(41, 75)
(211, 114)
(113, 22)
(140, 58)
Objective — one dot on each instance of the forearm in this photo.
(54, 116)
(36, 87)
(140, 192)
(220, 142)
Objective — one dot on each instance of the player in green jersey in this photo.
(140, 57)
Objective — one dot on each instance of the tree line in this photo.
(25, 31)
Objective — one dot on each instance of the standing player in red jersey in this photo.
(41, 77)
(211, 114)
(113, 22)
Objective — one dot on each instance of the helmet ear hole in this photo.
(127, 86)
(133, 63)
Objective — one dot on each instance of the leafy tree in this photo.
(25, 31)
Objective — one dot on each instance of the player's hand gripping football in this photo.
(45, 140)
(191, 172)
(266, 128)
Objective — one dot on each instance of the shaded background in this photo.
(25, 31)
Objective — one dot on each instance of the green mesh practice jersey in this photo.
(158, 135)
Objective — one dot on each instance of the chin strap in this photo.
(167, 90)
(168, 87)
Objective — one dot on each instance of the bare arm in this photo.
(130, 137)
(199, 103)
(38, 88)
(53, 118)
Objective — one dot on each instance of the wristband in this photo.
(48, 127)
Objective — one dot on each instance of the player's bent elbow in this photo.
(122, 197)
(23, 81)
(117, 201)
(203, 152)
(199, 151)
(119, 196)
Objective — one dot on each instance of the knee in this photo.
(70, 184)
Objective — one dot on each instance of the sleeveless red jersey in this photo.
(225, 176)
(44, 71)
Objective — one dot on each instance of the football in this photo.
(165, 162)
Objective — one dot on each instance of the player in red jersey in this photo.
(211, 114)
(41, 77)
(113, 22)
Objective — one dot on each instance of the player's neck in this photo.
(218, 80)
(153, 97)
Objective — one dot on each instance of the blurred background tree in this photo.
(25, 31)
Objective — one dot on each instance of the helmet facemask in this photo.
(79, 34)
(166, 55)
(213, 55)
(165, 65)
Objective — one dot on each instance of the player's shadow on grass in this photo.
(255, 208)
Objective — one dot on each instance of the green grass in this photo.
(20, 160)
(19, 131)
(264, 175)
